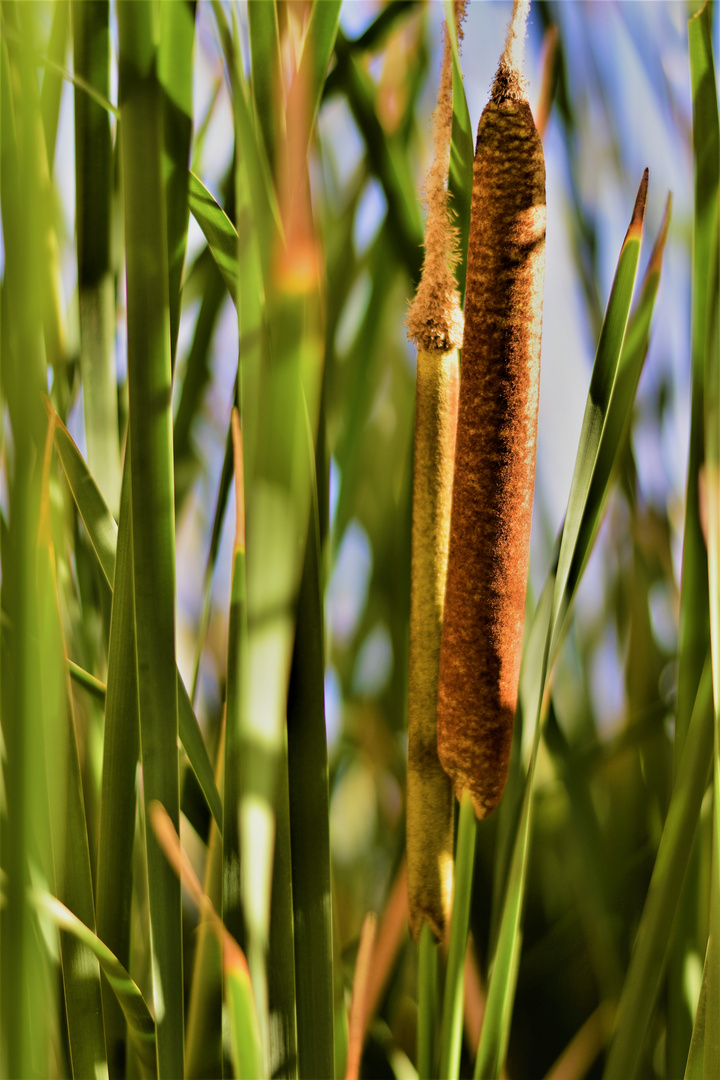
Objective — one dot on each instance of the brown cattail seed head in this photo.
(495, 450)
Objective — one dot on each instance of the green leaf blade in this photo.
(175, 74)
(452, 1015)
(310, 824)
(149, 378)
(218, 229)
(600, 393)
(103, 533)
(651, 944)
(96, 283)
(139, 1019)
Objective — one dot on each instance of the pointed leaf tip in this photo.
(655, 261)
(638, 214)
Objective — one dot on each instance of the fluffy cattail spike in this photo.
(510, 83)
(434, 320)
(496, 440)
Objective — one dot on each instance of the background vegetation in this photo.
(595, 885)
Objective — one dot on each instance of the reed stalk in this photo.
(153, 519)
(435, 325)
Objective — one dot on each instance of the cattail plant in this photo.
(496, 439)
(278, 772)
(435, 325)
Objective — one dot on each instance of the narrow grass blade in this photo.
(503, 975)
(256, 803)
(366, 371)
(695, 614)
(279, 316)
(649, 953)
(203, 1046)
(310, 823)
(175, 74)
(121, 750)
(31, 286)
(226, 475)
(237, 676)
(267, 89)
(250, 289)
(704, 1056)
(382, 26)
(28, 995)
(218, 229)
(194, 745)
(694, 619)
(595, 888)
(389, 941)
(24, 826)
(47, 282)
(141, 1025)
(513, 801)
(281, 975)
(712, 466)
(706, 341)
(204, 1050)
(68, 829)
(244, 1035)
(602, 384)
(96, 281)
(386, 158)
(581, 1052)
(213, 292)
(501, 994)
(99, 522)
(341, 1015)
(710, 487)
(260, 188)
(427, 1003)
(93, 686)
(452, 1015)
(316, 55)
(52, 84)
(68, 76)
(149, 379)
(619, 408)
(244, 1041)
(103, 532)
(356, 1036)
(711, 1035)
(201, 129)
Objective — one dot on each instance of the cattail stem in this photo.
(496, 441)
(435, 324)
(429, 792)
(427, 1002)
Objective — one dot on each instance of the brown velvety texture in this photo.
(495, 454)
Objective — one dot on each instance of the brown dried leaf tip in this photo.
(638, 214)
